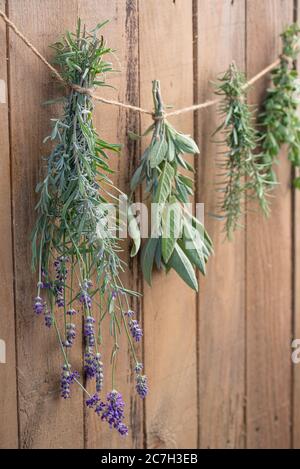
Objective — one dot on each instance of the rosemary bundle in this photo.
(178, 239)
(279, 121)
(242, 171)
(74, 248)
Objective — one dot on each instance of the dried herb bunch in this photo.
(178, 239)
(242, 170)
(279, 121)
(74, 249)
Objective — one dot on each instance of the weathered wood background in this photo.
(219, 363)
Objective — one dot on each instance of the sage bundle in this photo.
(178, 239)
(74, 248)
(279, 121)
(242, 171)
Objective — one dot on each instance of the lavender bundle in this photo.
(74, 248)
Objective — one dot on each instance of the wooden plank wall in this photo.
(219, 363)
(268, 272)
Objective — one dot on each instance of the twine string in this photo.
(88, 91)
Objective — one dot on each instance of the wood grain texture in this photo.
(45, 419)
(269, 248)
(296, 293)
(113, 124)
(166, 53)
(221, 31)
(296, 329)
(219, 363)
(8, 394)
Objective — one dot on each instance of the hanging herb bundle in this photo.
(178, 240)
(280, 121)
(74, 249)
(242, 170)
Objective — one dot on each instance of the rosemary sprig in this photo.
(279, 121)
(242, 171)
(178, 239)
(72, 229)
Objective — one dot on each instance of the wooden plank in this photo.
(221, 39)
(296, 293)
(45, 419)
(296, 328)
(269, 267)
(8, 394)
(113, 124)
(166, 53)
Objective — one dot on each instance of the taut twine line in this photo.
(87, 91)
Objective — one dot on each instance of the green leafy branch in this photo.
(279, 122)
(178, 240)
(243, 172)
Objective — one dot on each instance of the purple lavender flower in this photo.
(44, 283)
(87, 284)
(99, 408)
(60, 302)
(129, 313)
(48, 319)
(113, 412)
(89, 330)
(99, 373)
(70, 335)
(93, 401)
(39, 305)
(100, 254)
(85, 299)
(141, 386)
(67, 378)
(135, 330)
(93, 367)
(138, 367)
(114, 294)
(61, 275)
(90, 365)
(71, 312)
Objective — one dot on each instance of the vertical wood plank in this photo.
(269, 267)
(8, 395)
(221, 39)
(113, 124)
(296, 328)
(166, 53)
(296, 290)
(45, 419)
